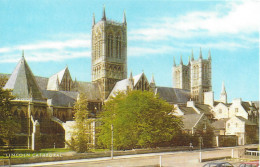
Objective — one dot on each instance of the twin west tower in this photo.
(196, 76)
(109, 53)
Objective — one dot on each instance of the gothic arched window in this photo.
(118, 46)
(110, 45)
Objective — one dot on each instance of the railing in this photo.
(252, 153)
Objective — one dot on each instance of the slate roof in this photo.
(23, 83)
(120, 86)
(123, 84)
(55, 80)
(220, 124)
(247, 122)
(191, 120)
(173, 95)
(187, 110)
(42, 82)
(91, 90)
(137, 78)
(226, 104)
(248, 107)
(206, 109)
(61, 98)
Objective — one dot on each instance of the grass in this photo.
(99, 150)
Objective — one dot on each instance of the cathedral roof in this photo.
(23, 83)
(55, 80)
(42, 82)
(61, 98)
(125, 83)
(173, 95)
(91, 90)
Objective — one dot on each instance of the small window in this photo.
(220, 111)
(236, 110)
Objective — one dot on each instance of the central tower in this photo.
(109, 53)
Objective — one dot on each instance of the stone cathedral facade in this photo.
(195, 76)
(109, 53)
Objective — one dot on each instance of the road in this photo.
(169, 159)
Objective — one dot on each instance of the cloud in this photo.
(233, 20)
(75, 43)
(71, 46)
(141, 51)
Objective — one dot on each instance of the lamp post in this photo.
(201, 140)
(112, 136)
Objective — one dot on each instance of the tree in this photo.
(206, 131)
(9, 125)
(82, 130)
(139, 119)
(3, 80)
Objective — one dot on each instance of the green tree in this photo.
(3, 80)
(206, 131)
(82, 130)
(139, 119)
(9, 125)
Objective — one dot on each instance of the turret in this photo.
(124, 18)
(152, 83)
(131, 81)
(104, 14)
(23, 54)
(200, 54)
(223, 95)
(181, 62)
(192, 56)
(209, 55)
(174, 63)
(93, 22)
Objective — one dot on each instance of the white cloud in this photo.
(4, 50)
(142, 51)
(234, 19)
(74, 43)
(76, 46)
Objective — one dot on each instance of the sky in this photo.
(57, 33)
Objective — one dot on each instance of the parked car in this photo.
(250, 164)
(218, 164)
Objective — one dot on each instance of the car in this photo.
(218, 164)
(250, 164)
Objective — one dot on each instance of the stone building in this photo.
(195, 77)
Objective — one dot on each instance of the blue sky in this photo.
(56, 33)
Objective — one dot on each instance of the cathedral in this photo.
(45, 105)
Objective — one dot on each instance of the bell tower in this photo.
(109, 53)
